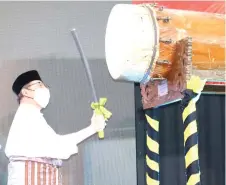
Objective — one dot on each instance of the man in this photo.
(34, 149)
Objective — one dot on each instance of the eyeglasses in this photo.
(37, 84)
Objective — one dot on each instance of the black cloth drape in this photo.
(211, 129)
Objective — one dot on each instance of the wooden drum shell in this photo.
(207, 32)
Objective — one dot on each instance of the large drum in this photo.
(142, 42)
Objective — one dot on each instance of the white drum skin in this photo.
(131, 42)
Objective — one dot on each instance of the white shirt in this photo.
(31, 136)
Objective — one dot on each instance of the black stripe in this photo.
(153, 156)
(152, 133)
(152, 173)
(193, 168)
(188, 96)
(191, 117)
(191, 141)
(153, 113)
(198, 183)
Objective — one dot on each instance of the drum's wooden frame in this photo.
(177, 78)
(182, 57)
(207, 32)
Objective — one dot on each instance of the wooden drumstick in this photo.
(88, 71)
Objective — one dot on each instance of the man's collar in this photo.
(29, 108)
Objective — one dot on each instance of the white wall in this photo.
(36, 35)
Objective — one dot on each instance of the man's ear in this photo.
(24, 92)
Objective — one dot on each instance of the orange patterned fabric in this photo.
(37, 173)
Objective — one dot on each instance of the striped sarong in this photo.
(31, 172)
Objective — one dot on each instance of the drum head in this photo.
(131, 42)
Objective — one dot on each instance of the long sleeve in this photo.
(31, 136)
(76, 137)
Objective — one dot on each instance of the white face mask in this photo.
(42, 96)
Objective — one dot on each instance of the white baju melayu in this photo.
(34, 149)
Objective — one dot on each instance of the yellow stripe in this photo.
(152, 145)
(188, 110)
(153, 123)
(151, 181)
(194, 179)
(152, 164)
(192, 155)
(191, 129)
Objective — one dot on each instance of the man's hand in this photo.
(98, 122)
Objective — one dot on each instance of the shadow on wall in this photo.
(5, 124)
(111, 161)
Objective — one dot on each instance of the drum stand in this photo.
(179, 76)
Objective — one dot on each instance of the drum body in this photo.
(141, 43)
(208, 41)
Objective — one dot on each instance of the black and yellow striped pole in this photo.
(191, 95)
(152, 154)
